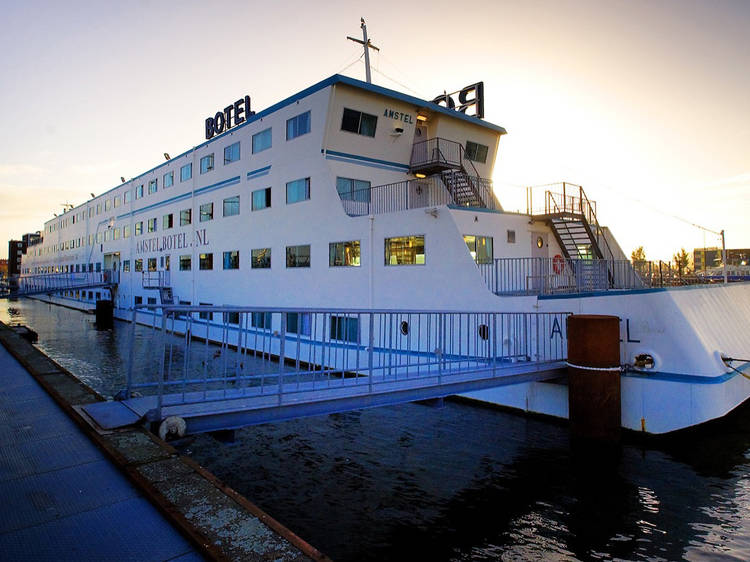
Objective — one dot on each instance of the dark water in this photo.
(459, 483)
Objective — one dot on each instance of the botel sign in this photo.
(231, 116)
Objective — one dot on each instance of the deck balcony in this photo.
(437, 155)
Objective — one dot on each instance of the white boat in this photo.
(351, 195)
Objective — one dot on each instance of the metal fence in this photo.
(548, 276)
(54, 282)
(207, 353)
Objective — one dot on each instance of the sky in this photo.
(646, 104)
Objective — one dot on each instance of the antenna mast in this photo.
(367, 45)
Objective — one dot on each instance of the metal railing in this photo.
(211, 353)
(440, 153)
(549, 276)
(668, 274)
(410, 194)
(54, 282)
(155, 279)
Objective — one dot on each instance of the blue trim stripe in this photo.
(226, 183)
(360, 159)
(259, 172)
(621, 292)
(368, 164)
(689, 379)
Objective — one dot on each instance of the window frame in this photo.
(230, 200)
(306, 190)
(359, 122)
(387, 252)
(266, 199)
(229, 155)
(210, 164)
(204, 213)
(260, 135)
(298, 125)
(295, 264)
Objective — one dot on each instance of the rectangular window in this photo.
(476, 152)
(231, 206)
(298, 125)
(151, 300)
(139, 264)
(128, 196)
(138, 193)
(206, 212)
(98, 209)
(297, 190)
(152, 264)
(115, 235)
(186, 217)
(232, 317)
(185, 263)
(343, 254)
(152, 225)
(261, 199)
(126, 265)
(298, 323)
(205, 315)
(207, 163)
(404, 250)
(511, 236)
(118, 202)
(298, 256)
(261, 141)
(205, 261)
(480, 247)
(232, 153)
(260, 258)
(168, 179)
(353, 190)
(358, 122)
(261, 320)
(186, 172)
(152, 187)
(167, 221)
(138, 300)
(232, 260)
(344, 328)
(139, 228)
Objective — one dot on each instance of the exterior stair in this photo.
(165, 295)
(460, 186)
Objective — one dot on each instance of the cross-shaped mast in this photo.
(365, 42)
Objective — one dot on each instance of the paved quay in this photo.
(72, 493)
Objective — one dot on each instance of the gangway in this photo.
(49, 283)
(227, 367)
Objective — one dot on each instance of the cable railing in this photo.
(213, 353)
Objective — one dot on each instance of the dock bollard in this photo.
(104, 314)
(594, 408)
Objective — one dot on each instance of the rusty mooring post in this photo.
(594, 376)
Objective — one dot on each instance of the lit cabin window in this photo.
(404, 250)
(152, 264)
(476, 152)
(262, 141)
(185, 263)
(207, 163)
(297, 126)
(186, 172)
(480, 247)
(232, 153)
(139, 264)
(260, 258)
(139, 228)
(343, 254)
(359, 122)
(205, 261)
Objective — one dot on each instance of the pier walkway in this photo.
(62, 498)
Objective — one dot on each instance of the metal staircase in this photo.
(575, 227)
(159, 280)
(447, 160)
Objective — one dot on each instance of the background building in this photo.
(705, 258)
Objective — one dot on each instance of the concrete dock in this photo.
(70, 492)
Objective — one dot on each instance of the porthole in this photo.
(404, 327)
(539, 242)
(644, 361)
(484, 331)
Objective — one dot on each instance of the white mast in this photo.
(365, 42)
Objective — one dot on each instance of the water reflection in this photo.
(459, 482)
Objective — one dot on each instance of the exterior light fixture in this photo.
(420, 176)
(421, 117)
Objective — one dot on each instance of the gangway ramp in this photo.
(42, 284)
(323, 361)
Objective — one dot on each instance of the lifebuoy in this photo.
(558, 264)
